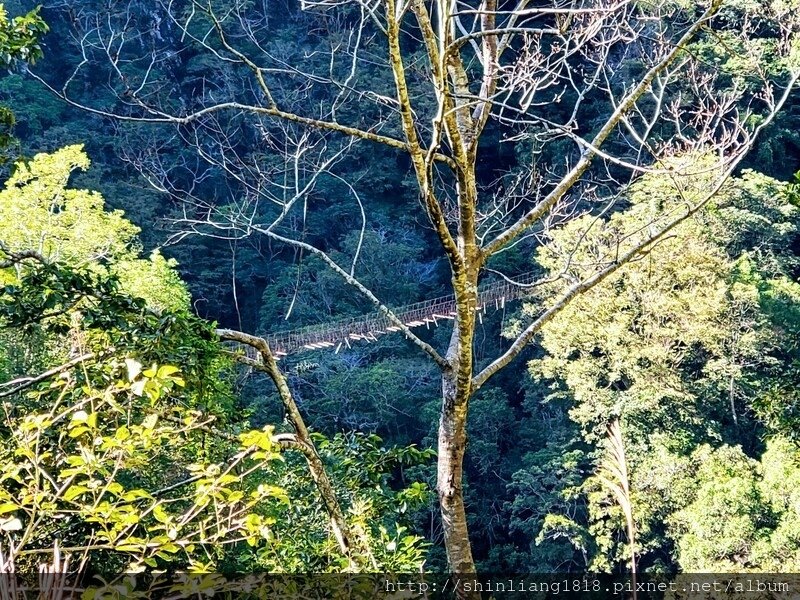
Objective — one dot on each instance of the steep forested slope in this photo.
(692, 347)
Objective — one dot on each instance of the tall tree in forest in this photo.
(591, 93)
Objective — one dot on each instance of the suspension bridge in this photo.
(343, 333)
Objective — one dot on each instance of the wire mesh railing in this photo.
(343, 332)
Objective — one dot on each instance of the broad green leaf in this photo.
(7, 507)
(166, 370)
(160, 514)
(74, 491)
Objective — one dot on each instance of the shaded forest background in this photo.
(695, 347)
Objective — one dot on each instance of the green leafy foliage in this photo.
(689, 345)
(19, 42)
(19, 37)
(365, 475)
(128, 447)
(124, 471)
(38, 211)
(695, 346)
(741, 514)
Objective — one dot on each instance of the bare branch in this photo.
(633, 253)
(21, 383)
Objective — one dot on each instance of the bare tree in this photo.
(598, 91)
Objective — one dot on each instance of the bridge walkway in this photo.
(342, 333)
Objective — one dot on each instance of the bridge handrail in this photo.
(371, 324)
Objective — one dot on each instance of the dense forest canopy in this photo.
(184, 180)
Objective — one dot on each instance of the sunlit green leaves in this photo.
(38, 211)
(85, 456)
(693, 344)
(19, 37)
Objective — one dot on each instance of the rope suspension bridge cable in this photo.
(342, 333)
